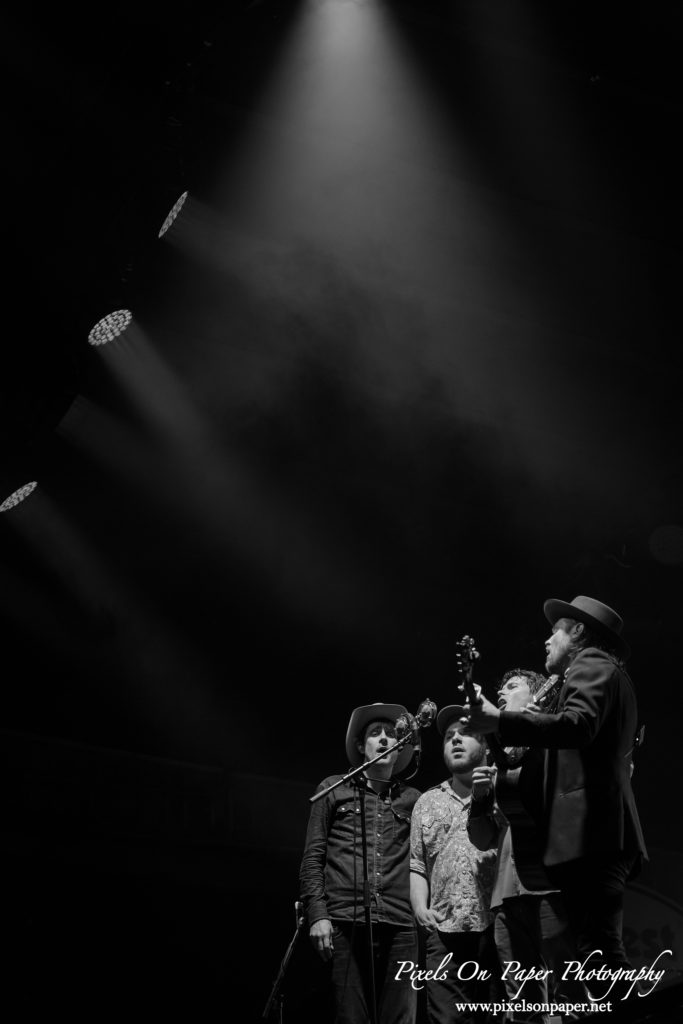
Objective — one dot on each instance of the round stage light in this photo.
(172, 214)
(666, 544)
(18, 496)
(110, 326)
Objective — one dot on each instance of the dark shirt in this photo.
(511, 822)
(331, 872)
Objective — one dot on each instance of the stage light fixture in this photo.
(110, 326)
(666, 544)
(172, 214)
(18, 496)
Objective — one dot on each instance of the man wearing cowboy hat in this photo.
(333, 870)
(592, 838)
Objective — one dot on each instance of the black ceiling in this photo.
(352, 529)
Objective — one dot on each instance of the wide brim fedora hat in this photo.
(361, 718)
(593, 613)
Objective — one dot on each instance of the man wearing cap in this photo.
(450, 880)
(593, 842)
(333, 870)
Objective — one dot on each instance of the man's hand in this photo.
(483, 717)
(321, 937)
(428, 918)
(483, 779)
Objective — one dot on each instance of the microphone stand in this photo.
(364, 845)
(398, 745)
(366, 904)
(275, 992)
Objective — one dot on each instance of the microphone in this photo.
(426, 713)
(406, 723)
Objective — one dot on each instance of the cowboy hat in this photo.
(358, 723)
(595, 614)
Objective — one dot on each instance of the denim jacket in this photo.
(331, 874)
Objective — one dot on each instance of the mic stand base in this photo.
(276, 994)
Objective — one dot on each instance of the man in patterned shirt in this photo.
(451, 881)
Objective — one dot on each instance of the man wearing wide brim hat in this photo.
(333, 870)
(605, 624)
(358, 723)
(593, 841)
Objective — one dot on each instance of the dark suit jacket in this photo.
(589, 804)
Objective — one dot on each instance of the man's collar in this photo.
(447, 788)
(393, 789)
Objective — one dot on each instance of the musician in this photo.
(593, 843)
(530, 923)
(332, 874)
(450, 880)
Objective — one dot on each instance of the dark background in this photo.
(404, 366)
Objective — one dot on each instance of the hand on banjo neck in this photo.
(484, 717)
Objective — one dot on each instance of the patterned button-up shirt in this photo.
(460, 876)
